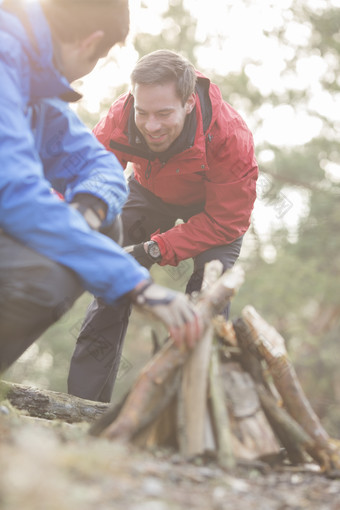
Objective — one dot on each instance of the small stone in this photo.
(152, 487)
(219, 494)
(295, 479)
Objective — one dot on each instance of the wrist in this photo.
(140, 287)
(91, 207)
(153, 250)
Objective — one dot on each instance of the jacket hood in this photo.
(210, 98)
(26, 23)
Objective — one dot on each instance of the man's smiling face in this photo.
(160, 114)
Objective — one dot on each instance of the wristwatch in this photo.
(153, 251)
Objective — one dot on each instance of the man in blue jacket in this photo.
(53, 249)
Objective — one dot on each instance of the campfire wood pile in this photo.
(236, 395)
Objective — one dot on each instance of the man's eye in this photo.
(164, 114)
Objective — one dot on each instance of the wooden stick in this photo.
(195, 381)
(194, 398)
(147, 397)
(220, 414)
(251, 361)
(295, 439)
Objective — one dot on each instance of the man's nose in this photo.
(152, 124)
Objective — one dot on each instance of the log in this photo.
(148, 397)
(271, 346)
(294, 438)
(193, 402)
(193, 399)
(162, 431)
(252, 435)
(251, 362)
(51, 405)
(220, 413)
(149, 388)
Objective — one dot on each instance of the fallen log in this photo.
(51, 405)
(147, 394)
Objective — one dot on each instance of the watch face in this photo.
(154, 250)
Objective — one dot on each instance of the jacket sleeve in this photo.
(73, 160)
(33, 215)
(230, 192)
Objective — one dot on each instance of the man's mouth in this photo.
(156, 138)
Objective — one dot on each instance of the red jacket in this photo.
(219, 170)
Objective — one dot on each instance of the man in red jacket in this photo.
(193, 160)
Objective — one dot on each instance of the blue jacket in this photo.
(43, 144)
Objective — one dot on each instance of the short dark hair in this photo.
(72, 20)
(165, 66)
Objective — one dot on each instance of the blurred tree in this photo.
(298, 291)
(177, 33)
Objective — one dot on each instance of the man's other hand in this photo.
(140, 253)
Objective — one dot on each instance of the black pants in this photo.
(34, 293)
(96, 358)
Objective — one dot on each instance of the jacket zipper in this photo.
(148, 170)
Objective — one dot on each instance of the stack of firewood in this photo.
(236, 395)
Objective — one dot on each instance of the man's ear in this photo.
(190, 104)
(89, 45)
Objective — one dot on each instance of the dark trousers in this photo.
(34, 293)
(95, 362)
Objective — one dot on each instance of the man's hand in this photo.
(142, 253)
(173, 308)
(92, 208)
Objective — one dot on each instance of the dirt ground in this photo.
(56, 466)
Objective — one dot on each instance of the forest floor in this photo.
(57, 466)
